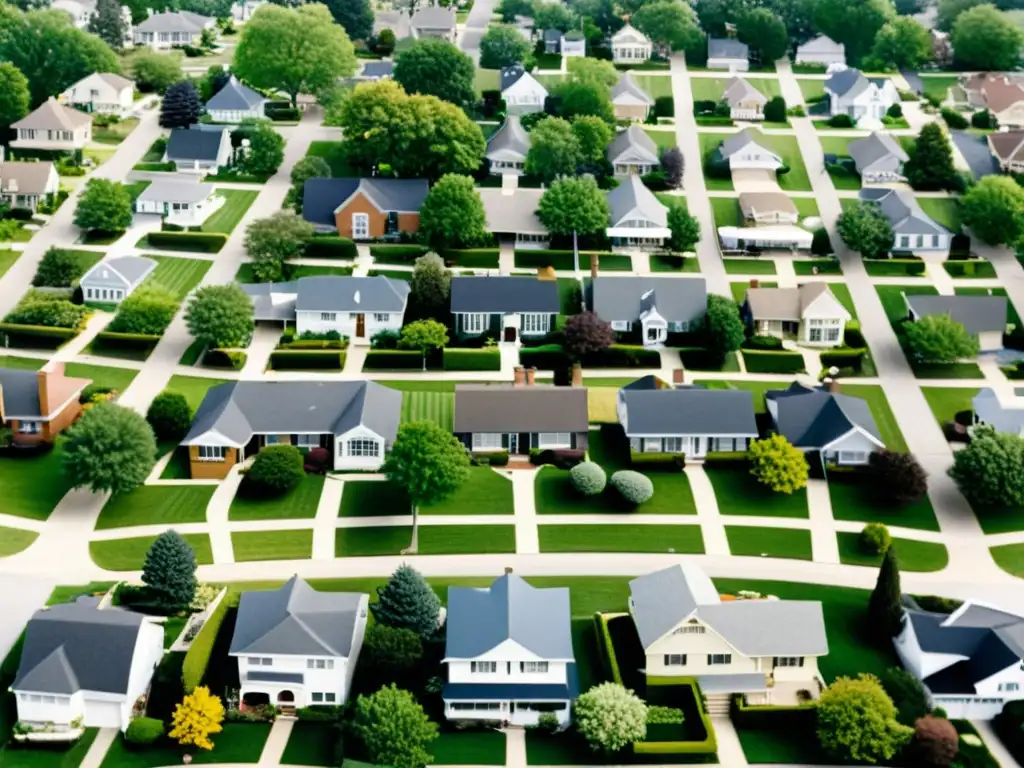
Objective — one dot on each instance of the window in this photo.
(672, 445)
(1009, 686)
(273, 439)
(360, 226)
(328, 317)
(675, 659)
(853, 457)
(330, 698)
(381, 317)
(789, 661)
(652, 445)
(363, 447)
(689, 629)
(211, 452)
(719, 658)
(474, 706)
(475, 323)
(29, 427)
(679, 325)
(486, 441)
(831, 334)
(621, 325)
(532, 322)
(533, 667)
(307, 441)
(319, 663)
(483, 667)
(554, 440)
(318, 698)
(260, 661)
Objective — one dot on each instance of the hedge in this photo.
(541, 257)
(1009, 727)
(798, 718)
(455, 359)
(330, 248)
(883, 267)
(300, 359)
(605, 648)
(773, 362)
(553, 356)
(300, 344)
(127, 340)
(42, 336)
(397, 254)
(548, 357)
(844, 358)
(221, 358)
(197, 659)
(475, 257)
(963, 268)
(393, 358)
(196, 242)
(706, 746)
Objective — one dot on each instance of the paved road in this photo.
(475, 26)
(913, 80)
(975, 152)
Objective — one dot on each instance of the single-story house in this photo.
(728, 53)
(638, 217)
(355, 420)
(184, 202)
(198, 151)
(511, 213)
(236, 102)
(914, 229)
(983, 317)
(771, 237)
(811, 314)
(878, 158)
(744, 100)
(26, 184)
(508, 147)
(54, 127)
(434, 21)
(38, 405)
(850, 93)
(821, 50)
(112, 280)
(630, 46)
(371, 70)
(1001, 94)
(632, 151)
(521, 91)
(571, 43)
(988, 409)
(364, 209)
(511, 306)
(1007, 147)
(170, 29)
(629, 100)
(744, 151)
(658, 305)
(768, 208)
(101, 92)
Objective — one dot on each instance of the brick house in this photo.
(38, 405)
(364, 209)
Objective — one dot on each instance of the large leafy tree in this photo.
(389, 655)
(547, 15)
(885, 610)
(509, 9)
(930, 166)
(169, 416)
(592, 71)
(452, 215)
(272, 241)
(994, 210)
(723, 328)
(430, 287)
(574, 205)
(685, 229)
(428, 462)
(424, 336)
(169, 571)
(436, 68)
(554, 150)
(408, 602)
(764, 32)
(220, 315)
(864, 228)
(393, 727)
(950, 10)
(110, 448)
(897, 477)
(985, 38)
(58, 269)
(577, 97)
(988, 470)
(593, 135)
(670, 25)
(309, 167)
(148, 310)
(108, 23)
(855, 25)
(181, 106)
(14, 96)
(356, 16)
(857, 722)
(587, 333)
(610, 717)
(939, 339)
(295, 50)
(776, 463)
(196, 718)
(902, 44)
(155, 72)
(502, 46)
(266, 150)
(105, 206)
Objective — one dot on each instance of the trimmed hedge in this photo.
(606, 648)
(797, 719)
(897, 267)
(197, 659)
(773, 362)
(196, 242)
(456, 359)
(127, 340)
(549, 357)
(844, 357)
(330, 248)
(963, 268)
(220, 358)
(1009, 727)
(397, 254)
(393, 358)
(42, 336)
(304, 359)
(485, 258)
(706, 746)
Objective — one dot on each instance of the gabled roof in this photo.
(814, 418)
(635, 143)
(511, 138)
(629, 33)
(903, 211)
(31, 177)
(739, 91)
(538, 619)
(134, 269)
(175, 190)
(272, 301)
(787, 303)
(677, 299)
(989, 410)
(689, 411)
(509, 76)
(631, 195)
(53, 116)
(235, 95)
(335, 293)
(739, 141)
(763, 202)
(512, 210)
(1007, 145)
(821, 44)
(847, 82)
(187, 145)
(533, 408)
(504, 294)
(297, 620)
(553, 35)
(375, 70)
(997, 92)
(19, 392)
(173, 21)
(879, 151)
(627, 91)
(433, 17)
(322, 197)
(977, 314)
(727, 48)
(115, 81)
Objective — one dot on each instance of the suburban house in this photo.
(521, 91)
(433, 21)
(112, 280)
(770, 237)
(183, 202)
(54, 127)
(988, 409)
(1007, 147)
(101, 92)
(728, 53)
(298, 647)
(744, 100)
(396, 21)
(638, 217)
(744, 152)
(1000, 94)
(630, 46)
(821, 50)
(687, 420)
(507, 306)
(914, 229)
(511, 213)
(170, 29)
(83, 11)
(878, 158)
(656, 306)
(355, 420)
(364, 209)
(236, 102)
(508, 147)
(632, 151)
(983, 317)
(765, 648)
(629, 100)
(371, 70)
(84, 665)
(509, 653)
(26, 184)
(969, 661)
(38, 405)
(809, 315)
(768, 208)
(198, 151)
(571, 43)
(850, 93)
(838, 427)
(355, 307)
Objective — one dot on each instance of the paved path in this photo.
(527, 539)
(730, 752)
(273, 750)
(711, 522)
(98, 749)
(515, 747)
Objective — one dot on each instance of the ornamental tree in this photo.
(181, 106)
(155, 72)
(452, 215)
(276, 470)
(984, 38)
(593, 136)
(58, 269)
(428, 462)
(902, 43)
(865, 229)
(574, 205)
(407, 602)
(105, 206)
(424, 336)
(764, 32)
(549, 16)
(685, 229)
(356, 16)
(14, 96)
(265, 152)
(502, 46)
(169, 416)
(885, 609)
(994, 210)
(434, 67)
(936, 741)
(554, 150)
(390, 655)
(723, 328)
(939, 339)
(196, 718)
(857, 721)
(220, 315)
(930, 166)
(109, 449)
(108, 23)
(148, 310)
(610, 717)
(775, 462)
(897, 477)
(169, 572)
(586, 333)
(272, 241)
(988, 470)
(393, 727)
(430, 287)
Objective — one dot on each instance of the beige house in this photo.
(53, 126)
(999, 94)
(102, 92)
(630, 46)
(25, 185)
(629, 100)
(744, 100)
(768, 208)
(810, 314)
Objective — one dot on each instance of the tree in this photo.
(574, 205)
(155, 71)
(898, 477)
(906, 693)
(936, 741)
(272, 241)
(393, 727)
(417, 70)
(509, 9)
(939, 339)
(592, 135)
(885, 611)
(855, 25)
(180, 107)
(430, 287)
(994, 210)
(670, 25)
(105, 206)
(586, 333)
(169, 571)
(903, 44)
(857, 721)
(58, 269)
(610, 717)
(389, 655)
(984, 38)
(196, 718)
(988, 470)
(295, 50)
(220, 315)
(548, 15)
(775, 462)
(356, 16)
(764, 32)
(672, 165)
(309, 167)
(424, 335)
(266, 150)
(864, 228)
(723, 328)
(502, 46)
(213, 81)
(592, 71)
(452, 215)
(775, 110)
(169, 416)
(576, 97)
(950, 10)
(14, 97)
(108, 23)
(407, 602)
(685, 229)
(276, 470)
(148, 310)
(554, 150)
(930, 166)
(109, 449)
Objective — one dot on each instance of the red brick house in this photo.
(38, 405)
(364, 209)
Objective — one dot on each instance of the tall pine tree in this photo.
(408, 602)
(931, 162)
(885, 611)
(108, 23)
(170, 571)
(181, 106)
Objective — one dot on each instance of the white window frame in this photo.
(483, 667)
(534, 322)
(486, 441)
(789, 661)
(533, 667)
(621, 325)
(30, 427)
(852, 457)
(211, 452)
(360, 226)
(672, 444)
(381, 317)
(328, 317)
(716, 659)
(362, 447)
(307, 441)
(554, 439)
(474, 322)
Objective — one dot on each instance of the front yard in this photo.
(237, 743)
(433, 540)
(438, 407)
(156, 505)
(913, 555)
(853, 500)
(15, 540)
(227, 217)
(757, 541)
(712, 88)
(272, 545)
(738, 493)
(300, 502)
(129, 554)
(783, 145)
(194, 388)
(178, 275)
(33, 484)
(671, 539)
(485, 492)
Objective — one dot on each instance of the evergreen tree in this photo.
(407, 601)
(931, 163)
(885, 612)
(170, 571)
(181, 106)
(108, 23)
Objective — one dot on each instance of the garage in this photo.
(102, 714)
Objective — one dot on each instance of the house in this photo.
(517, 418)
(236, 102)
(364, 209)
(298, 647)
(509, 654)
(396, 21)
(771, 237)
(878, 158)
(508, 307)
(989, 410)
(85, 666)
(434, 21)
(744, 100)
(914, 229)
(638, 218)
(850, 93)
(692, 421)
(810, 314)
(633, 151)
(355, 420)
(969, 661)
(511, 213)
(184, 203)
(768, 208)
(1007, 147)
(198, 151)
(83, 11)
(630, 46)
(112, 280)
(765, 648)
(821, 50)
(656, 306)
(170, 29)
(728, 53)
(571, 43)
(521, 91)
(838, 427)
(355, 307)
(26, 184)
(101, 92)
(744, 151)
(38, 405)
(507, 148)
(54, 127)
(372, 71)
(629, 100)
(983, 317)
(1000, 94)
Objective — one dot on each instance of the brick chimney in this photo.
(508, 570)
(593, 266)
(754, 282)
(577, 375)
(678, 377)
(832, 385)
(519, 374)
(531, 376)
(48, 377)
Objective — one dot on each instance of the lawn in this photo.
(757, 387)
(749, 266)
(841, 291)
(15, 540)
(129, 554)
(102, 375)
(272, 545)
(438, 407)
(237, 743)
(486, 80)
(555, 495)
(836, 145)
(32, 484)
(945, 211)
(298, 503)
(672, 539)
(467, 748)
(853, 500)
(884, 418)
(783, 145)
(156, 505)
(664, 139)
(756, 541)
(178, 275)
(116, 132)
(293, 271)
(712, 88)
(738, 493)
(938, 85)
(311, 744)
(194, 388)
(946, 402)
(727, 212)
(172, 628)
(136, 188)
(7, 259)
(226, 218)
(40, 757)
(656, 86)
(1010, 557)
(913, 555)
(811, 88)
(780, 747)
(433, 540)
(484, 493)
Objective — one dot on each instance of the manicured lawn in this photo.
(115, 133)
(884, 418)
(674, 539)
(311, 744)
(486, 80)
(944, 210)
(780, 747)
(438, 407)
(769, 542)
(946, 402)
(805, 207)
(853, 500)
(738, 493)
(41, 757)
(655, 85)
(272, 545)
(484, 493)
(102, 375)
(712, 88)
(773, 362)
(749, 266)
(129, 554)
(836, 145)
(370, 498)
(727, 211)
(999, 519)
(467, 748)
(236, 203)
(938, 85)
(293, 272)
(1010, 557)
(32, 484)
(841, 292)
(194, 388)
(21, 363)
(913, 555)
(172, 628)
(811, 88)
(7, 259)
(334, 153)
(555, 495)
(664, 139)
(156, 504)
(757, 387)
(15, 540)
(298, 503)
(783, 145)
(136, 188)
(237, 743)
(433, 540)
(178, 275)
(980, 269)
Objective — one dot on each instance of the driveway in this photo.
(975, 152)
(752, 180)
(913, 80)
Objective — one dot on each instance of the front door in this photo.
(360, 326)
(510, 334)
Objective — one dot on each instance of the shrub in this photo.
(664, 106)
(222, 358)
(330, 248)
(307, 359)
(548, 722)
(197, 659)
(471, 359)
(397, 254)
(170, 416)
(385, 339)
(895, 111)
(841, 121)
(664, 715)
(821, 245)
(317, 714)
(775, 110)
(197, 242)
(276, 470)
(984, 120)
(875, 539)
(763, 342)
(95, 391)
(936, 741)
(588, 478)
(58, 269)
(954, 119)
(144, 731)
(633, 487)
(41, 309)
(317, 460)
(378, 359)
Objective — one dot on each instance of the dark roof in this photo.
(378, 69)
(977, 314)
(727, 48)
(345, 293)
(647, 383)
(19, 392)
(675, 298)
(510, 75)
(813, 418)
(235, 95)
(321, 197)
(515, 691)
(846, 80)
(703, 412)
(504, 294)
(534, 408)
(184, 144)
(553, 35)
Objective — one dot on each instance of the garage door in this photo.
(102, 714)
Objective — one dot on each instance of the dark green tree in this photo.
(452, 215)
(885, 610)
(169, 571)
(181, 106)
(276, 470)
(14, 96)
(430, 288)
(220, 315)
(593, 135)
(356, 16)
(906, 693)
(266, 151)
(764, 32)
(931, 161)
(419, 68)
(213, 81)
(407, 601)
(985, 38)
(58, 269)
(988, 472)
(389, 655)
(552, 16)
(105, 206)
(109, 449)
(502, 46)
(509, 9)
(902, 44)
(170, 416)
(865, 229)
(309, 167)
(554, 150)
(671, 26)
(684, 227)
(574, 205)
(723, 327)
(950, 10)
(108, 23)
(393, 727)
(994, 210)
(855, 25)
(576, 97)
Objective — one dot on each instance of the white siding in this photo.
(345, 323)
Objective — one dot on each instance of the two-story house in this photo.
(364, 209)
(297, 647)
(507, 306)
(509, 653)
(38, 405)
(849, 92)
(102, 92)
(54, 127)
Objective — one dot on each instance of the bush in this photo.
(875, 539)
(485, 258)
(763, 342)
(656, 181)
(50, 311)
(895, 111)
(588, 478)
(378, 359)
(1009, 726)
(488, 359)
(317, 460)
(95, 391)
(170, 416)
(664, 715)
(623, 356)
(844, 358)
(276, 470)
(547, 357)
(775, 110)
(144, 731)
(397, 254)
(197, 659)
(222, 358)
(289, 114)
(330, 248)
(58, 269)
(18, 214)
(197, 242)
(954, 119)
(307, 359)
(633, 487)
(773, 362)
(984, 120)
(35, 336)
(841, 121)
(319, 714)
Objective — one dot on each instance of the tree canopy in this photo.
(776, 463)
(574, 205)
(855, 25)
(670, 25)
(866, 230)
(181, 106)
(902, 44)
(685, 229)
(169, 571)
(427, 461)
(154, 71)
(272, 241)
(765, 33)
(988, 470)
(220, 315)
(554, 149)
(939, 339)
(586, 333)
(430, 288)
(434, 67)
(723, 328)
(393, 727)
(356, 16)
(930, 166)
(407, 602)
(593, 135)
(110, 448)
(196, 718)
(14, 95)
(105, 206)
(502, 46)
(985, 38)
(452, 215)
(857, 721)
(547, 15)
(994, 210)
(108, 23)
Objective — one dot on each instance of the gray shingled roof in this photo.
(631, 196)
(813, 418)
(533, 408)
(510, 75)
(848, 83)
(510, 609)
(739, 91)
(187, 145)
(504, 294)
(633, 145)
(173, 21)
(332, 293)
(690, 411)
(903, 211)
(877, 152)
(727, 48)
(740, 140)
(627, 86)
(134, 269)
(375, 70)
(321, 197)
(783, 303)
(297, 620)
(510, 211)
(19, 392)
(977, 314)
(511, 138)
(175, 190)
(235, 95)
(677, 299)
(272, 301)
(433, 17)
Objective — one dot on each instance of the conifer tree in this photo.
(407, 601)
(170, 571)
(885, 611)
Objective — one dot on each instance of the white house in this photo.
(821, 50)
(850, 93)
(728, 53)
(521, 91)
(185, 203)
(633, 151)
(630, 46)
(26, 184)
(236, 102)
(810, 314)
(83, 663)
(52, 126)
(769, 237)
(654, 305)
(508, 147)
(969, 661)
(112, 280)
(638, 218)
(83, 11)
(743, 152)
(170, 29)
(102, 92)
(525, 305)
(990, 410)
(629, 100)
(768, 208)
(983, 317)
(297, 647)
(509, 653)
(198, 151)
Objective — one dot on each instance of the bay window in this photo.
(363, 447)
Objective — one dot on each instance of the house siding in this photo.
(407, 222)
(210, 470)
(48, 430)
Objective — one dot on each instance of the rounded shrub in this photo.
(588, 478)
(169, 416)
(633, 487)
(875, 539)
(144, 731)
(275, 470)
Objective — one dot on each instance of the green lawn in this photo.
(178, 275)
(769, 542)
(486, 80)
(783, 145)
(884, 418)
(842, 293)
(999, 519)
(712, 88)
(808, 206)
(15, 540)
(945, 211)
(980, 270)
(311, 744)
(913, 555)
(727, 212)
(41, 757)
(738, 493)
(433, 540)
(156, 504)
(116, 132)
(938, 85)
(438, 407)
(749, 266)
(555, 495)
(236, 203)
(32, 484)
(300, 502)
(656, 86)
(946, 402)
(853, 500)
(172, 628)
(293, 272)
(272, 545)
(129, 554)
(664, 139)
(467, 748)
(7, 259)
(673, 539)
(194, 388)
(237, 743)
(780, 747)
(837, 145)
(811, 88)
(1010, 557)
(136, 188)
(102, 375)
(484, 493)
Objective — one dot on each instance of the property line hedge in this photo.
(773, 362)
(36, 335)
(485, 258)
(330, 248)
(706, 746)
(844, 358)
(894, 267)
(456, 359)
(224, 358)
(397, 254)
(605, 647)
(197, 659)
(128, 340)
(798, 718)
(393, 358)
(303, 359)
(196, 242)
(549, 357)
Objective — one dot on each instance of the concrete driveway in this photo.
(913, 80)
(975, 152)
(754, 181)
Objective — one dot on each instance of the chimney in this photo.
(509, 184)
(519, 375)
(832, 385)
(593, 266)
(754, 282)
(46, 378)
(678, 377)
(508, 570)
(531, 376)
(577, 375)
